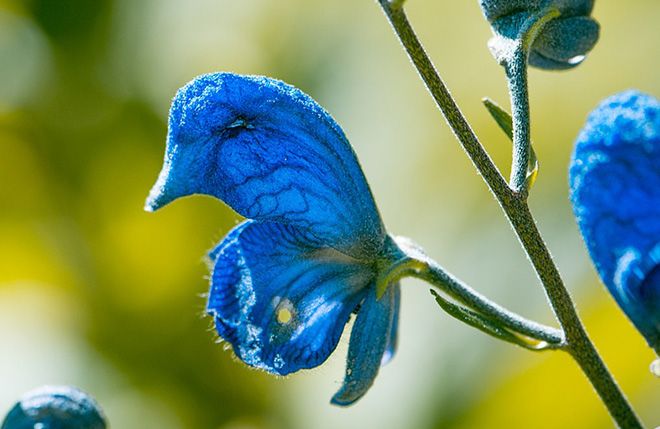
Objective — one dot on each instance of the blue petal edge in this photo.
(393, 338)
(369, 340)
(279, 298)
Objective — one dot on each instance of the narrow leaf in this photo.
(503, 119)
(532, 168)
(487, 325)
(501, 116)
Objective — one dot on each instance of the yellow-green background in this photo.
(97, 293)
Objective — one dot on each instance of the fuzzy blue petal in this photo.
(615, 191)
(271, 153)
(370, 338)
(280, 298)
(55, 407)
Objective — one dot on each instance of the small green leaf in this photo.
(532, 167)
(488, 326)
(501, 116)
(505, 122)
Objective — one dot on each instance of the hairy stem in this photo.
(580, 346)
(459, 290)
(516, 72)
(424, 268)
(515, 64)
(445, 102)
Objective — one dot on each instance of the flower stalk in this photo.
(516, 73)
(514, 59)
(418, 265)
(514, 204)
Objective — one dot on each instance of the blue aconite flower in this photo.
(562, 43)
(615, 190)
(285, 282)
(55, 407)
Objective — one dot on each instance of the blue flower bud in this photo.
(285, 282)
(562, 43)
(55, 407)
(615, 191)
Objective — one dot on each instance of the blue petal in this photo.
(271, 153)
(370, 338)
(393, 339)
(615, 191)
(279, 298)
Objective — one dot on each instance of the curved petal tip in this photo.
(368, 345)
(161, 193)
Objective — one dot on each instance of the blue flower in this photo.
(55, 407)
(285, 282)
(615, 190)
(562, 43)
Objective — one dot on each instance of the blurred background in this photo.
(97, 293)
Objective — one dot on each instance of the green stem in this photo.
(424, 268)
(455, 288)
(445, 102)
(515, 65)
(516, 72)
(490, 326)
(580, 346)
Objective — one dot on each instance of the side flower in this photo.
(562, 43)
(55, 407)
(615, 191)
(285, 282)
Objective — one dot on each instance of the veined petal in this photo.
(615, 191)
(370, 338)
(279, 298)
(272, 154)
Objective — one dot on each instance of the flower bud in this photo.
(55, 407)
(562, 43)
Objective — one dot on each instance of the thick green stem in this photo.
(579, 345)
(445, 102)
